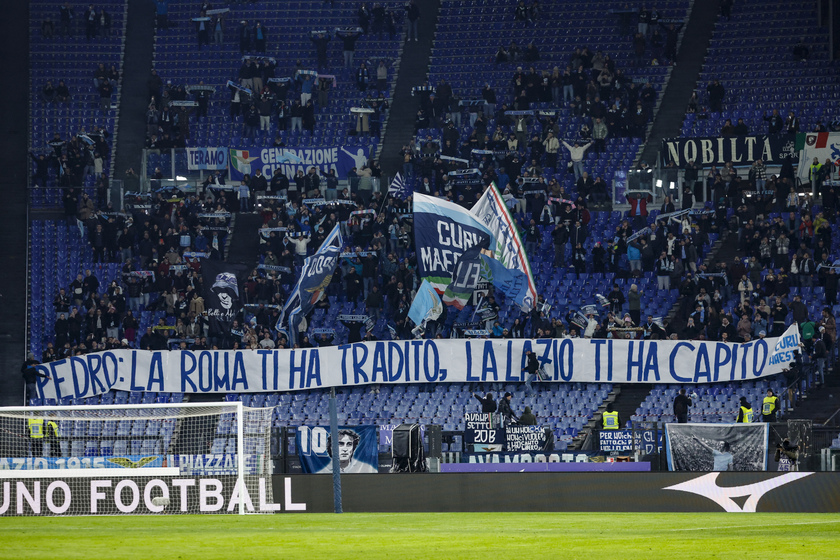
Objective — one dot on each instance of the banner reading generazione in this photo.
(245, 161)
(415, 361)
(740, 150)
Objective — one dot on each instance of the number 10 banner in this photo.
(358, 449)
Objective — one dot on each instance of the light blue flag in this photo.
(511, 281)
(426, 305)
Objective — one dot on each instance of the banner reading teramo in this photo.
(415, 361)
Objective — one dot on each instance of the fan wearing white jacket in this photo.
(576, 152)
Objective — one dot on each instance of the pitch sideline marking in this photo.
(755, 526)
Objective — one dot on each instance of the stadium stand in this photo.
(78, 122)
(573, 282)
(752, 55)
(289, 45)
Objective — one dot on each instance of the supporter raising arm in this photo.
(577, 152)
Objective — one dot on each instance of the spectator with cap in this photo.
(506, 411)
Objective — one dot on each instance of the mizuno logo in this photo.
(707, 487)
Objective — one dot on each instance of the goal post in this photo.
(135, 459)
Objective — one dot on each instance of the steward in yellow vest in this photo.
(610, 419)
(745, 413)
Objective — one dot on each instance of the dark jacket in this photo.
(487, 404)
(533, 364)
(505, 409)
(681, 404)
(527, 418)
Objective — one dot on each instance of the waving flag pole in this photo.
(509, 251)
(397, 188)
(300, 302)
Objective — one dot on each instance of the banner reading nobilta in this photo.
(358, 449)
(773, 149)
(821, 145)
(223, 289)
(404, 362)
(717, 447)
(244, 161)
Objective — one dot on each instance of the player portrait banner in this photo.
(246, 160)
(223, 289)
(403, 362)
(358, 449)
(717, 447)
(740, 150)
(207, 158)
(820, 145)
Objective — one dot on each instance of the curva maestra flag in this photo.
(443, 231)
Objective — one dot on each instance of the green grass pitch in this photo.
(429, 535)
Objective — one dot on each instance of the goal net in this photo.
(135, 459)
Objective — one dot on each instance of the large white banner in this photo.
(416, 361)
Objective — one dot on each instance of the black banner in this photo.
(740, 150)
(573, 492)
(223, 287)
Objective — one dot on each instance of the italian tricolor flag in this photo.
(811, 140)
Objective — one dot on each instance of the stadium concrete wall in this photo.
(572, 492)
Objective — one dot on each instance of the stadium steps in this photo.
(819, 404)
(625, 398)
(413, 70)
(629, 397)
(137, 64)
(244, 241)
(724, 250)
(692, 50)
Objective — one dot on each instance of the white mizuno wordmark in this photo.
(707, 487)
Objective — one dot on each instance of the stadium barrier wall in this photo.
(500, 492)
(572, 492)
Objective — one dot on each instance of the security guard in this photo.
(745, 413)
(769, 407)
(37, 434)
(610, 419)
(52, 438)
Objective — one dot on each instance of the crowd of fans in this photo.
(589, 86)
(782, 242)
(96, 23)
(267, 104)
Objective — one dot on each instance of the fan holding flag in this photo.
(425, 307)
(398, 188)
